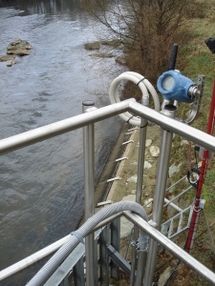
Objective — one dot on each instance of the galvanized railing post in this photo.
(141, 159)
(115, 242)
(159, 193)
(104, 258)
(140, 169)
(89, 205)
(78, 271)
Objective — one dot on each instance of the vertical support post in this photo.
(140, 267)
(140, 168)
(115, 242)
(141, 158)
(89, 209)
(95, 259)
(104, 257)
(162, 172)
(79, 273)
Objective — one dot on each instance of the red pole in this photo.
(211, 114)
(203, 170)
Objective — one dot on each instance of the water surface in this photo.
(41, 186)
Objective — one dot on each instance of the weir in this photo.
(91, 254)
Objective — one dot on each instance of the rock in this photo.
(7, 58)
(164, 276)
(92, 46)
(184, 142)
(102, 55)
(19, 48)
(129, 198)
(16, 48)
(10, 63)
(154, 151)
(148, 142)
(120, 60)
(173, 169)
(132, 179)
(147, 165)
(148, 202)
(133, 162)
(112, 43)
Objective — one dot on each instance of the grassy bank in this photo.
(195, 58)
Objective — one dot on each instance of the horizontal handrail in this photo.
(172, 247)
(32, 259)
(46, 251)
(42, 133)
(152, 232)
(203, 139)
(60, 127)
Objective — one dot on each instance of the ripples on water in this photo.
(41, 186)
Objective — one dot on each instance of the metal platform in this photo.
(96, 256)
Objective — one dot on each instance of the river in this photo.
(41, 186)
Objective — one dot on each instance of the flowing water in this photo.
(41, 186)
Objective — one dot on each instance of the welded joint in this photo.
(152, 223)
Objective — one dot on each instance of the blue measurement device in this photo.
(174, 86)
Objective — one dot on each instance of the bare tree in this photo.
(147, 29)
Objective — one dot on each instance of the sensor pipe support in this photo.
(89, 209)
(140, 170)
(159, 193)
(144, 86)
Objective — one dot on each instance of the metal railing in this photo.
(87, 120)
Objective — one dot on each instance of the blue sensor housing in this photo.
(174, 86)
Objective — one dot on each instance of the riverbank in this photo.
(125, 184)
(119, 176)
(124, 188)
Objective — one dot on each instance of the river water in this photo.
(41, 186)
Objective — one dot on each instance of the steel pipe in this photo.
(37, 256)
(159, 192)
(39, 134)
(198, 267)
(31, 259)
(190, 133)
(42, 133)
(140, 170)
(89, 178)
